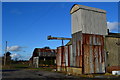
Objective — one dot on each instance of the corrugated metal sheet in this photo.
(58, 56)
(89, 21)
(77, 52)
(94, 56)
(88, 52)
(71, 55)
(44, 52)
(66, 55)
(63, 56)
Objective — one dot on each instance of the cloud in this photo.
(14, 48)
(113, 26)
(14, 56)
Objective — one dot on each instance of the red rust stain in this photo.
(68, 56)
(98, 48)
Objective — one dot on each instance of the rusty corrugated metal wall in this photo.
(63, 56)
(68, 52)
(58, 57)
(88, 52)
(88, 31)
(87, 49)
(76, 50)
(93, 52)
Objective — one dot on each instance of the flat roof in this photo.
(116, 35)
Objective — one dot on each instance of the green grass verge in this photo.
(24, 66)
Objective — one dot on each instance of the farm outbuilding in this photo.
(112, 46)
(92, 49)
(87, 51)
(43, 57)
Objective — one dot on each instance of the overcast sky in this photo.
(26, 25)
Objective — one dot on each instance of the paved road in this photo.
(32, 74)
(42, 75)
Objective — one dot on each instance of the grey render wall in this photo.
(89, 21)
(113, 55)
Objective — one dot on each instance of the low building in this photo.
(43, 57)
(112, 45)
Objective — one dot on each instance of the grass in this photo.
(15, 66)
(42, 68)
(24, 66)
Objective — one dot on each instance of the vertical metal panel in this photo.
(91, 56)
(62, 56)
(91, 60)
(73, 49)
(71, 56)
(93, 53)
(76, 47)
(63, 63)
(88, 26)
(96, 59)
(86, 59)
(58, 56)
(77, 57)
(66, 55)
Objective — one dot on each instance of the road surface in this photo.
(26, 74)
(32, 75)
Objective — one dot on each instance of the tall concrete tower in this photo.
(89, 27)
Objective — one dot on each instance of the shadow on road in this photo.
(8, 70)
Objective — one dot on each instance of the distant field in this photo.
(15, 66)
(24, 66)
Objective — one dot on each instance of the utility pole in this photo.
(5, 54)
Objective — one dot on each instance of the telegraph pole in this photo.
(5, 54)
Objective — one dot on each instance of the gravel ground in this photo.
(32, 74)
(44, 75)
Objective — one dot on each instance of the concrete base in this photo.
(70, 70)
(74, 71)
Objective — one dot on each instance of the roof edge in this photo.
(76, 7)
